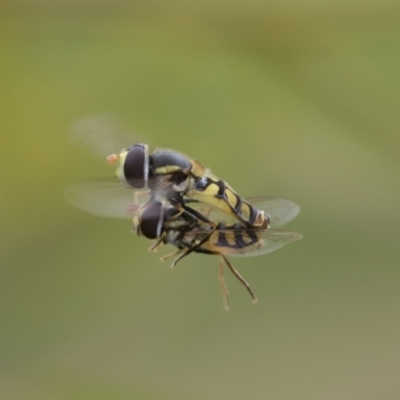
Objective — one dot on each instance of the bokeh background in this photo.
(297, 99)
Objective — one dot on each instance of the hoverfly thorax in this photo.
(169, 162)
(170, 171)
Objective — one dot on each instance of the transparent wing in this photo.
(281, 211)
(102, 198)
(271, 240)
(243, 242)
(102, 134)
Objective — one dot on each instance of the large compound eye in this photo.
(152, 219)
(136, 166)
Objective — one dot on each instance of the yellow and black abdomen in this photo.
(233, 240)
(219, 194)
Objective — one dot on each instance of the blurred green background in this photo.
(297, 99)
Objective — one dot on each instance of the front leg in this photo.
(162, 259)
(157, 244)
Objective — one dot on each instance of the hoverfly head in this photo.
(133, 169)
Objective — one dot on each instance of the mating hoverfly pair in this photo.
(189, 208)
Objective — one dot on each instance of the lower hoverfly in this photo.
(165, 174)
(191, 231)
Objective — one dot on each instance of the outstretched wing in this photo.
(102, 198)
(270, 240)
(250, 242)
(240, 242)
(102, 134)
(281, 211)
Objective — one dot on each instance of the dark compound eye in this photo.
(136, 166)
(151, 220)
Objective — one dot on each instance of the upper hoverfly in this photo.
(165, 174)
(176, 178)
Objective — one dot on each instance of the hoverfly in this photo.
(190, 231)
(175, 177)
(168, 174)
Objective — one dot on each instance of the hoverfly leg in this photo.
(222, 283)
(241, 279)
(200, 216)
(180, 209)
(156, 245)
(195, 246)
(163, 258)
(139, 193)
(132, 208)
